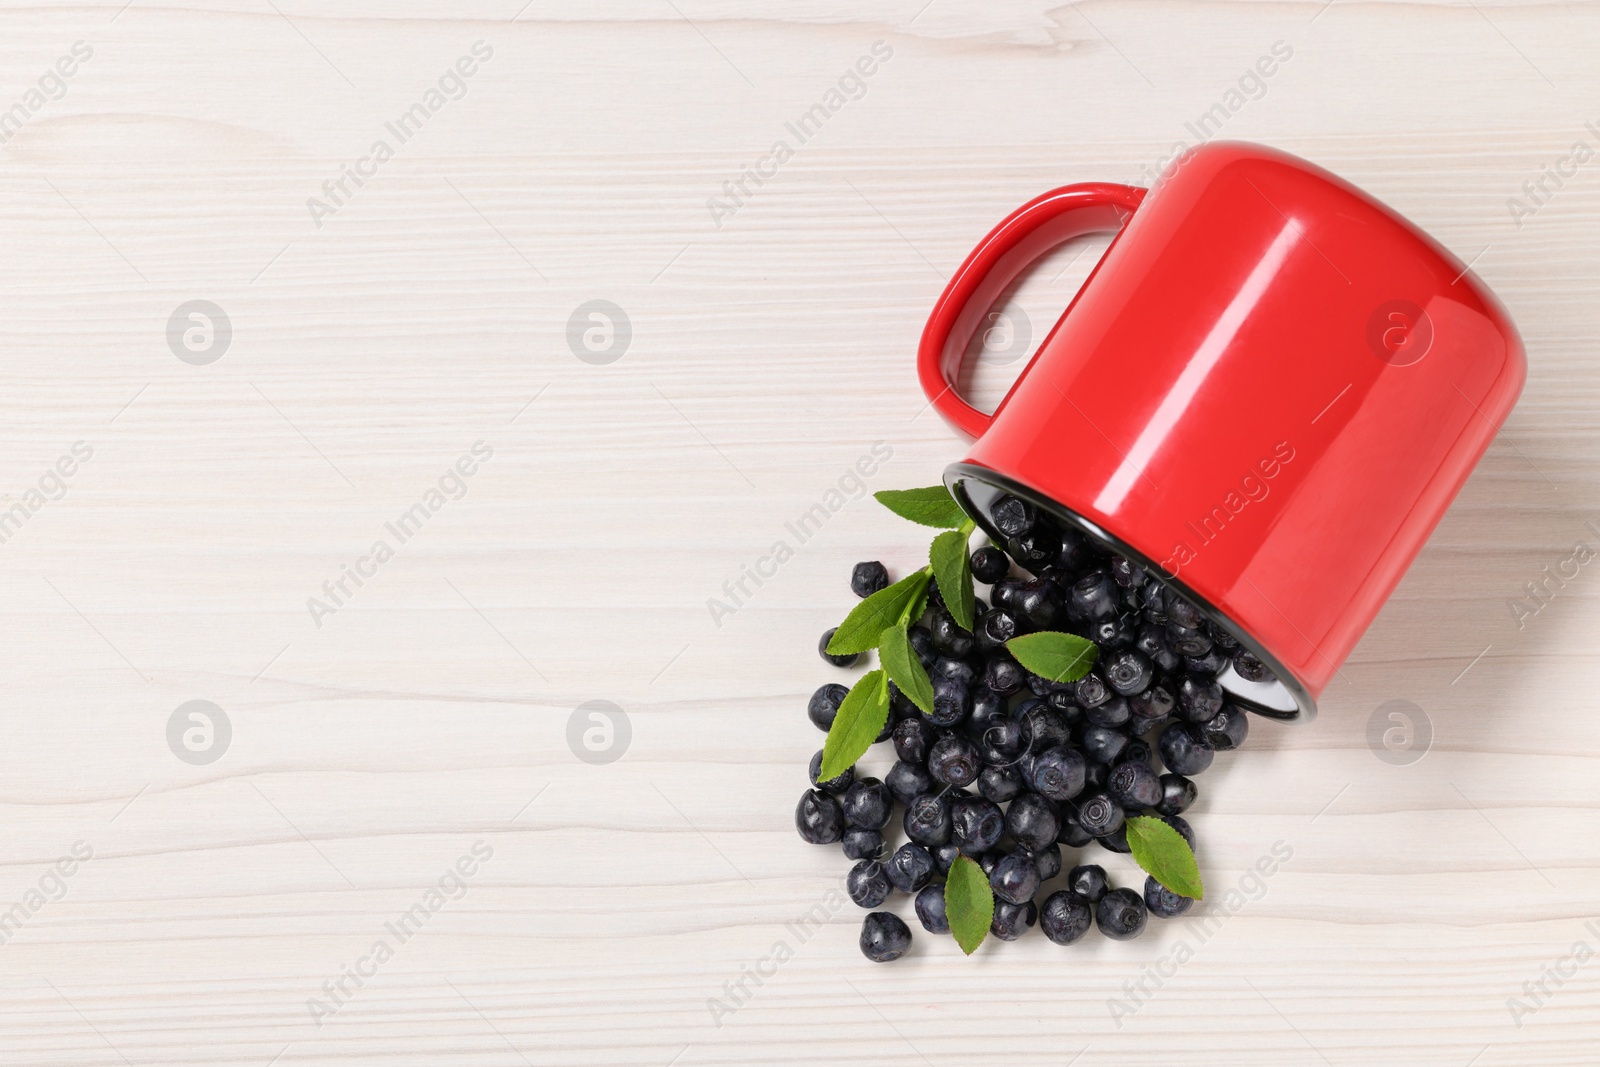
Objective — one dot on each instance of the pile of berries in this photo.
(1010, 766)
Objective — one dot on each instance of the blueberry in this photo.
(1227, 729)
(1004, 675)
(1015, 878)
(1048, 860)
(1002, 742)
(1011, 921)
(1065, 917)
(1011, 516)
(884, 937)
(1185, 831)
(1114, 633)
(833, 785)
(1152, 641)
(1137, 751)
(1104, 743)
(824, 705)
(922, 644)
(952, 702)
(1035, 550)
(1041, 603)
(1043, 726)
(930, 909)
(954, 761)
(1134, 786)
(1126, 572)
(818, 818)
(1088, 880)
(867, 578)
(1005, 594)
(989, 565)
(1117, 841)
(957, 670)
(1032, 821)
(1000, 784)
(909, 868)
(1199, 698)
(1114, 712)
(847, 659)
(976, 825)
(1177, 793)
(987, 707)
(1182, 752)
(987, 862)
(913, 738)
(1163, 902)
(1155, 602)
(867, 883)
(907, 781)
(860, 844)
(1128, 671)
(1058, 773)
(1211, 663)
(1091, 690)
(1188, 641)
(1099, 814)
(867, 804)
(1156, 702)
(997, 626)
(949, 638)
(927, 820)
(1222, 638)
(1093, 597)
(944, 856)
(1120, 914)
(1071, 834)
(1182, 613)
(1251, 669)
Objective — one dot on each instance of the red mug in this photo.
(1270, 388)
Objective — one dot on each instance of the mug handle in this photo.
(1022, 237)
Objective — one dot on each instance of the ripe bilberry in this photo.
(867, 884)
(824, 705)
(1120, 914)
(884, 937)
(818, 818)
(1065, 917)
(867, 578)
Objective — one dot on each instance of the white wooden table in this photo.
(229, 910)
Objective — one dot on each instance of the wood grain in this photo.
(430, 711)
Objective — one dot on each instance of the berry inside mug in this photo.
(1268, 390)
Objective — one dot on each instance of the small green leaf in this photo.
(860, 720)
(932, 506)
(968, 904)
(905, 669)
(1164, 855)
(1056, 656)
(863, 627)
(952, 569)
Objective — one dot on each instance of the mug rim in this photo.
(956, 474)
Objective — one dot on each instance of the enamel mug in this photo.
(1269, 388)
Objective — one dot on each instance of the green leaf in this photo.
(932, 506)
(952, 569)
(968, 904)
(860, 720)
(864, 626)
(1164, 855)
(1056, 656)
(905, 669)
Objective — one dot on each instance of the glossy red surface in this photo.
(1271, 384)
